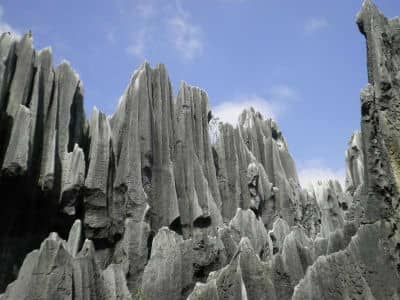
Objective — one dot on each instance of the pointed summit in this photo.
(368, 10)
(369, 6)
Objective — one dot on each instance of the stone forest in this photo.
(144, 205)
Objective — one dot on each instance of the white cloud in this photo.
(186, 37)
(138, 47)
(229, 111)
(6, 27)
(315, 170)
(315, 24)
(278, 99)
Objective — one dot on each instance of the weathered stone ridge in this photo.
(147, 206)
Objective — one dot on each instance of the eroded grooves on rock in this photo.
(147, 207)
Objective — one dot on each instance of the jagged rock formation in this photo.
(368, 268)
(147, 207)
(58, 271)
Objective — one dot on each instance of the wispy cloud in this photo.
(282, 91)
(229, 111)
(146, 9)
(315, 24)
(6, 27)
(138, 47)
(167, 24)
(314, 170)
(145, 12)
(110, 35)
(186, 37)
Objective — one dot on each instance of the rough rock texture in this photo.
(330, 200)
(147, 206)
(99, 177)
(368, 267)
(355, 165)
(55, 271)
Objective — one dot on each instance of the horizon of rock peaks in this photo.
(142, 205)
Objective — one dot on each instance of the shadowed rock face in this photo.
(145, 206)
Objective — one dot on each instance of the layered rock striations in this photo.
(147, 206)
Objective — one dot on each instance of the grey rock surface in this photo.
(329, 198)
(16, 159)
(99, 177)
(23, 74)
(148, 206)
(355, 164)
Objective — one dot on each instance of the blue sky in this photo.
(302, 62)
